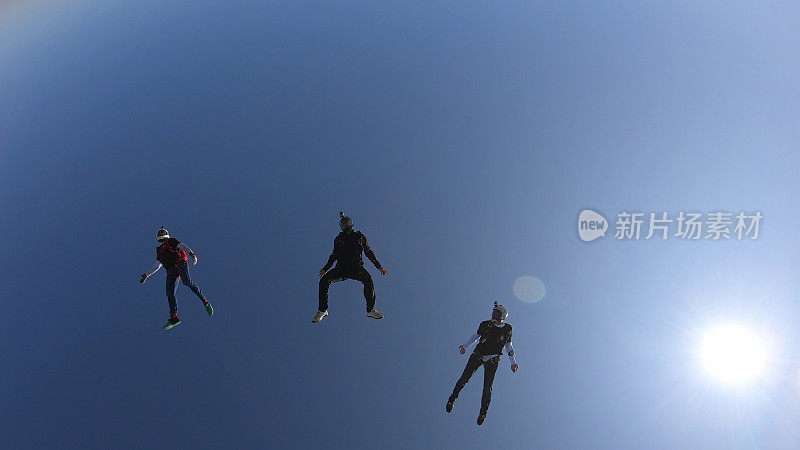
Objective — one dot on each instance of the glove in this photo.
(144, 278)
(194, 258)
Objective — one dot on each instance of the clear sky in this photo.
(464, 138)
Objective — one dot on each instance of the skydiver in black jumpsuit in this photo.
(347, 248)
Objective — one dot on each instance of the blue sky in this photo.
(464, 139)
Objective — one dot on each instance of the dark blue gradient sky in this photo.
(464, 138)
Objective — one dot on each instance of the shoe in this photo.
(375, 314)
(172, 323)
(449, 406)
(209, 308)
(481, 418)
(320, 315)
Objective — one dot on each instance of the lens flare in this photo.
(732, 354)
(529, 289)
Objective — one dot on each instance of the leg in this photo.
(171, 285)
(369, 287)
(183, 271)
(489, 370)
(473, 363)
(325, 283)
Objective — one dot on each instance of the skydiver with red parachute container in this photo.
(173, 255)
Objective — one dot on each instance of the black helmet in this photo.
(345, 223)
(162, 234)
(499, 312)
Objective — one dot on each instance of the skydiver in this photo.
(347, 248)
(494, 335)
(173, 255)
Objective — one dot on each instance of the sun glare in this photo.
(732, 354)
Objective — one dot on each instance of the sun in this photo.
(732, 354)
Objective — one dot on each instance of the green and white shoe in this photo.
(209, 308)
(172, 323)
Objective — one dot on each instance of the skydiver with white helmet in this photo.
(347, 248)
(173, 255)
(492, 337)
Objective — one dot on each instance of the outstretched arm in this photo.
(472, 340)
(331, 259)
(370, 254)
(153, 269)
(512, 356)
(150, 272)
(510, 350)
(189, 252)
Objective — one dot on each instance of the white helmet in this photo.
(499, 312)
(162, 234)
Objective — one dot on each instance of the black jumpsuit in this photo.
(347, 248)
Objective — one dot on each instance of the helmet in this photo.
(345, 223)
(499, 312)
(162, 234)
